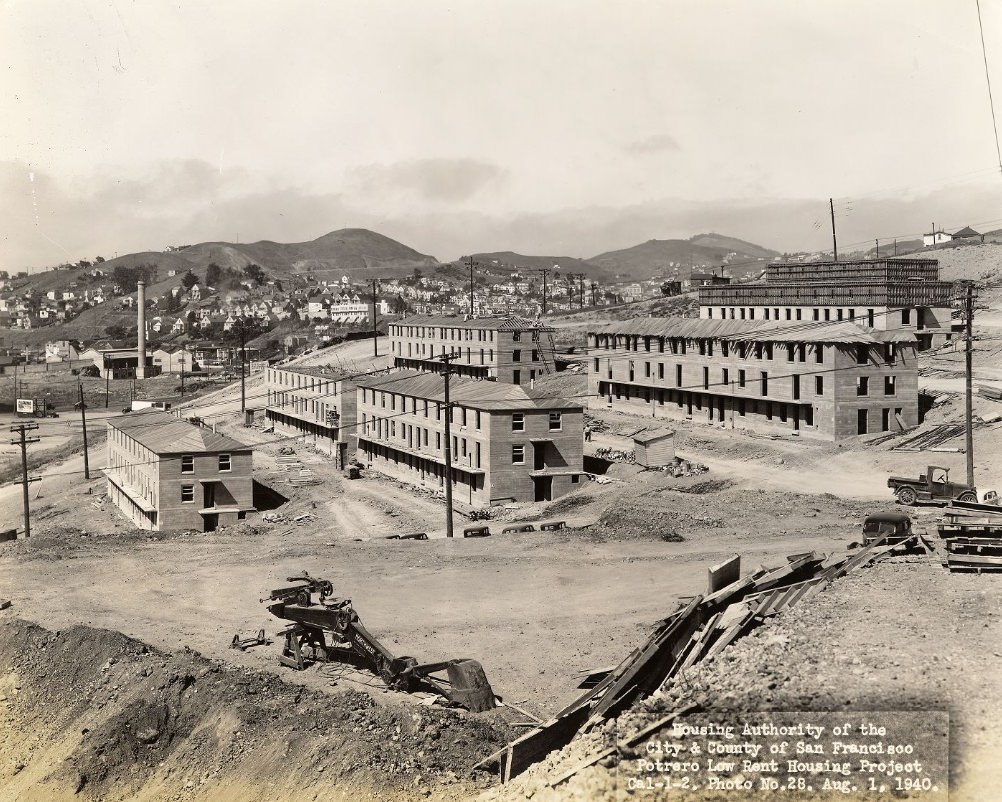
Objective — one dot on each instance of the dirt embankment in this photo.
(93, 714)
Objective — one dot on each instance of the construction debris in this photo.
(973, 537)
(936, 436)
(698, 630)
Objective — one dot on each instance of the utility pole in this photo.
(83, 420)
(107, 383)
(581, 287)
(243, 359)
(544, 272)
(968, 380)
(878, 247)
(21, 429)
(594, 290)
(831, 205)
(375, 332)
(446, 372)
(471, 264)
(181, 360)
(895, 247)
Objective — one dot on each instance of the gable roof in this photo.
(498, 323)
(467, 392)
(165, 434)
(755, 331)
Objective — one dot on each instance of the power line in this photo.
(988, 80)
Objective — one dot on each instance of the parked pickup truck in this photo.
(934, 485)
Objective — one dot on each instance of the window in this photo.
(861, 421)
(556, 422)
(647, 370)
(819, 354)
(706, 378)
(862, 385)
(741, 378)
(765, 383)
(890, 353)
(516, 355)
(187, 494)
(187, 463)
(724, 377)
(596, 366)
(518, 455)
(819, 385)
(661, 370)
(224, 462)
(516, 336)
(862, 354)
(535, 355)
(575, 478)
(906, 317)
(518, 422)
(889, 384)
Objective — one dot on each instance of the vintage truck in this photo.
(934, 485)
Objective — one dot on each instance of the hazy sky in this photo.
(542, 126)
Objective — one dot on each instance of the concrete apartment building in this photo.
(884, 294)
(830, 381)
(508, 443)
(164, 473)
(509, 349)
(315, 404)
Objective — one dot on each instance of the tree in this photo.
(189, 280)
(212, 274)
(398, 305)
(255, 273)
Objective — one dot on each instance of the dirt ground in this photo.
(536, 609)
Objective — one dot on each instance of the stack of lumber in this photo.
(973, 536)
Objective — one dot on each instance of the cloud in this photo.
(444, 180)
(657, 143)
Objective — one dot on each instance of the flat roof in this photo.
(165, 434)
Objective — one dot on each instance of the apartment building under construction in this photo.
(882, 294)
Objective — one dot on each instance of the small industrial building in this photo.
(508, 443)
(165, 473)
(118, 363)
(510, 349)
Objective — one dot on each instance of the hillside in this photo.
(676, 256)
(510, 259)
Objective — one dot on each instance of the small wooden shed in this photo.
(654, 449)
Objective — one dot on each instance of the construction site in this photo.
(328, 641)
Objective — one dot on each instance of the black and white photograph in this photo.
(469, 401)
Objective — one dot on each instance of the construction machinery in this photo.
(327, 629)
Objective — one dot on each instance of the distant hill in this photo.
(701, 252)
(501, 260)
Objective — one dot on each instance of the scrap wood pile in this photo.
(699, 629)
(973, 537)
(301, 475)
(930, 438)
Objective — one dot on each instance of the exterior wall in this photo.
(483, 353)
(138, 473)
(318, 408)
(694, 379)
(233, 488)
(403, 436)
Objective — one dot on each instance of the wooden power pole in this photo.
(969, 381)
(375, 332)
(83, 421)
(446, 372)
(831, 206)
(243, 360)
(21, 429)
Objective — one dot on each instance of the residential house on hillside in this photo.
(936, 238)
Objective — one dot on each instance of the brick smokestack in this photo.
(141, 350)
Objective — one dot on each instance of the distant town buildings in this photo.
(829, 380)
(509, 443)
(510, 349)
(884, 294)
(164, 473)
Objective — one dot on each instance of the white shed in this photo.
(654, 449)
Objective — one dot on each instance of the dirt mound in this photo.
(110, 718)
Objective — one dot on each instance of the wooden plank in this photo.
(723, 574)
(537, 744)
